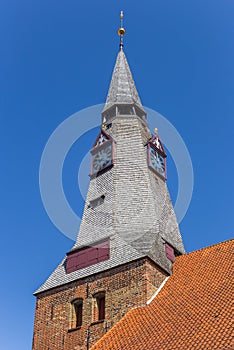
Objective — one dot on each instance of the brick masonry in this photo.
(126, 287)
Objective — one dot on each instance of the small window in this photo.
(76, 313)
(96, 202)
(52, 312)
(108, 126)
(99, 307)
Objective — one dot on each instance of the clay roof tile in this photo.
(192, 311)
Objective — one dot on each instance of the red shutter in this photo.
(82, 257)
(72, 262)
(92, 256)
(170, 253)
(88, 256)
(103, 251)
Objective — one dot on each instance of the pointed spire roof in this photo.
(139, 224)
(122, 92)
(122, 89)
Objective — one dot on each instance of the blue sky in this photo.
(56, 59)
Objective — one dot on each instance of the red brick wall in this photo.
(125, 287)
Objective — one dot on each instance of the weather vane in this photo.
(121, 30)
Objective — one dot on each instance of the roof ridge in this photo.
(203, 248)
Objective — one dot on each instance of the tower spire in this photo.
(121, 31)
(122, 96)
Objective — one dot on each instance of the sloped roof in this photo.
(138, 224)
(122, 88)
(121, 254)
(192, 311)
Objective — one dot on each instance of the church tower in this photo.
(128, 237)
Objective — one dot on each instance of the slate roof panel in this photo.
(122, 88)
(121, 253)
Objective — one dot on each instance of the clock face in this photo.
(102, 159)
(157, 162)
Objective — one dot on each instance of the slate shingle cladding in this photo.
(122, 87)
(137, 214)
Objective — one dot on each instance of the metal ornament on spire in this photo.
(122, 93)
(121, 30)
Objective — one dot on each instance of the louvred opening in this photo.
(87, 256)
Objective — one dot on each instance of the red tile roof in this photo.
(192, 311)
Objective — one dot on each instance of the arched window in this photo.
(99, 300)
(76, 313)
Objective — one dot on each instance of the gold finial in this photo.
(156, 131)
(121, 30)
(103, 126)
